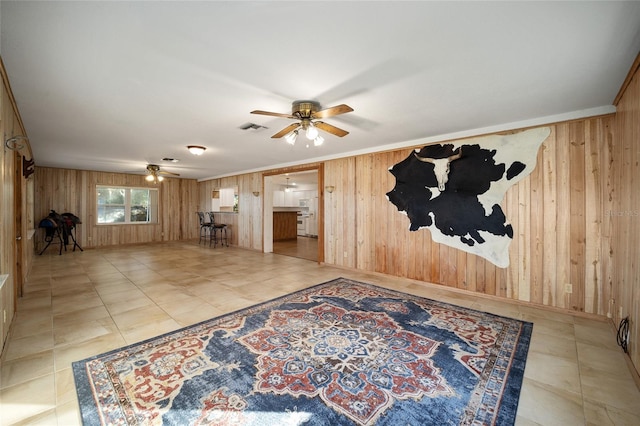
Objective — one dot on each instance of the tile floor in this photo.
(84, 303)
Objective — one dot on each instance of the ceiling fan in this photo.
(307, 112)
(154, 174)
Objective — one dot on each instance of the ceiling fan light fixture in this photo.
(304, 112)
(312, 132)
(319, 140)
(160, 178)
(150, 178)
(291, 137)
(196, 149)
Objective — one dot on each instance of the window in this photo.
(124, 205)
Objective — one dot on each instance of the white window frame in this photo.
(154, 202)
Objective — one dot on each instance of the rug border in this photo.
(508, 410)
(513, 382)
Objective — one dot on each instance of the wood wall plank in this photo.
(563, 219)
(511, 206)
(365, 218)
(549, 186)
(593, 219)
(577, 215)
(536, 227)
(523, 229)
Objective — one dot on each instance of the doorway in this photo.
(293, 215)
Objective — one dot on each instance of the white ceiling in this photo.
(112, 86)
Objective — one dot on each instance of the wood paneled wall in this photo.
(557, 214)
(7, 215)
(16, 207)
(74, 191)
(623, 219)
(248, 232)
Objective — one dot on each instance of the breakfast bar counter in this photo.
(285, 225)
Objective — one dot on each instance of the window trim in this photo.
(154, 205)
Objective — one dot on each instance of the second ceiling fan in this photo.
(307, 112)
(154, 174)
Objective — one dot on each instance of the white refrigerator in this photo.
(308, 219)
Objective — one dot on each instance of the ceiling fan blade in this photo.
(273, 114)
(162, 172)
(330, 129)
(289, 128)
(333, 111)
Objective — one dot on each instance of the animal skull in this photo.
(440, 167)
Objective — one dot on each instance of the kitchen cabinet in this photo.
(287, 199)
(227, 197)
(291, 198)
(278, 198)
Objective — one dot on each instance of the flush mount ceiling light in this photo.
(196, 149)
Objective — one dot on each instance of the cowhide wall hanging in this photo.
(455, 190)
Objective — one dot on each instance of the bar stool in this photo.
(215, 228)
(205, 228)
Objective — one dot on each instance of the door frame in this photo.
(267, 213)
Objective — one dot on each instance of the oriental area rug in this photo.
(338, 353)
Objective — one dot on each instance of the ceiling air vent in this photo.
(252, 126)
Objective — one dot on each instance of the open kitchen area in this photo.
(295, 215)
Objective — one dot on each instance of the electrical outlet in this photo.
(345, 254)
(568, 288)
(612, 302)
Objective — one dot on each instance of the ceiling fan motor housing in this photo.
(304, 109)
